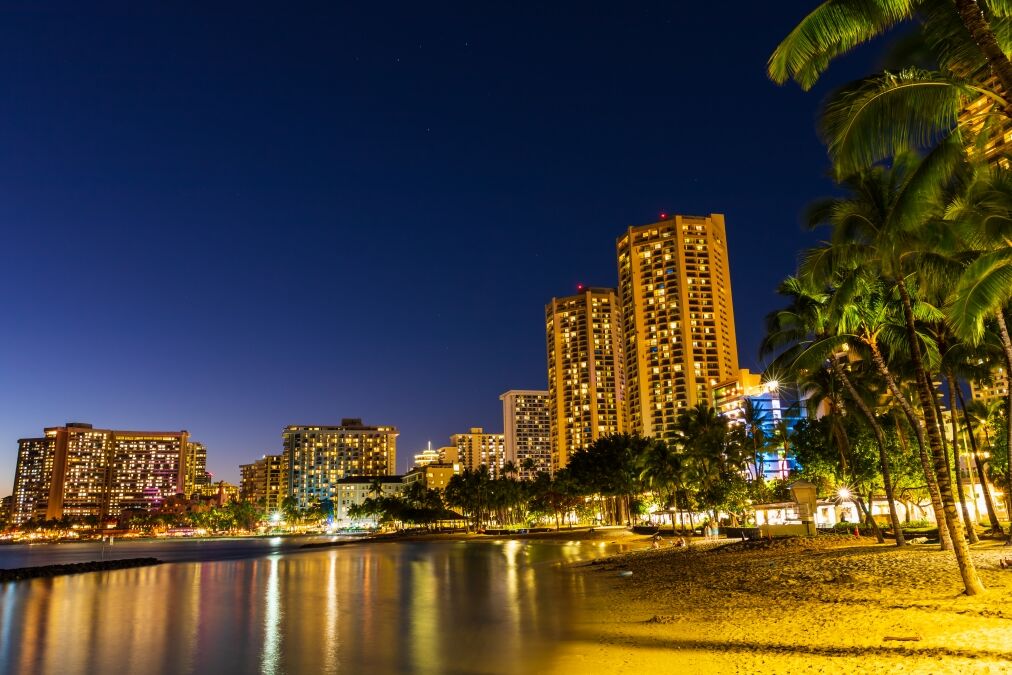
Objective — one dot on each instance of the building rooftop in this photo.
(347, 424)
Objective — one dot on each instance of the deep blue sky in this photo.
(233, 218)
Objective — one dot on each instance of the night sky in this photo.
(229, 218)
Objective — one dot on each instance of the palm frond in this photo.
(884, 115)
(985, 287)
(950, 42)
(831, 29)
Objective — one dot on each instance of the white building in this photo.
(526, 431)
(355, 490)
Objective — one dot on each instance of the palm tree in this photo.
(977, 413)
(291, 511)
(837, 26)
(755, 419)
(834, 320)
(610, 469)
(664, 473)
(882, 115)
(716, 460)
(983, 294)
(886, 218)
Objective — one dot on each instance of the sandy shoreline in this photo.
(829, 605)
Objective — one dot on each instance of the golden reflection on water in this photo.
(411, 607)
(332, 637)
(272, 621)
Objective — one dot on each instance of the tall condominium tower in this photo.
(196, 469)
(477, 448)
(32, 478)
(586, 374)
(527, 431)
(76, 470)
(675, 289)
(319, 456)
(265, 481)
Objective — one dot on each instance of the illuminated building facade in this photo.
(527, 431)
(586, 372)
(196, 468)
(435, 476)
(979, 116)
(476, 449)
(264, 482)
(76, 471)
(219, 493)
(6, 509)
(996, 387)
(318, 457)
(146, 469)
(354, 490)
(32, 478)
(769, 408)
(675, 290)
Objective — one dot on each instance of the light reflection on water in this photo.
(407, 607)
(272, 621)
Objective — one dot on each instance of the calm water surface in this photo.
(432, 607)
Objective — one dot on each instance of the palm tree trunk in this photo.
(976, 23)
(971, 582)
(945, 542)
(869, 519)
(1006, 344)
(992, 515)
(971, 531)
(887, 481)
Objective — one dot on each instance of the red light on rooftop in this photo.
(579, 287)
(663, 216)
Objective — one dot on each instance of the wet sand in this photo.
(828, 605)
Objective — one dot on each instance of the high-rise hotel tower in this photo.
(586, 377)
(76, 471)
(317, 457)
(526, 429)
(675, 291)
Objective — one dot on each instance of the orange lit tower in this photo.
(675, 292)
(586, 380)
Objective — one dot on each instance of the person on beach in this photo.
(655, 542)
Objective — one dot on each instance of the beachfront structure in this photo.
(675, 291)
(775, 408)
(477, 448)
(317, 457)
(586, 380)
(77, 471)
(527, 431)
(264, 482)
(354, 490)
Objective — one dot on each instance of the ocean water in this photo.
(249, 606)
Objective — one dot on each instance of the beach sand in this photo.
(823, 605)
